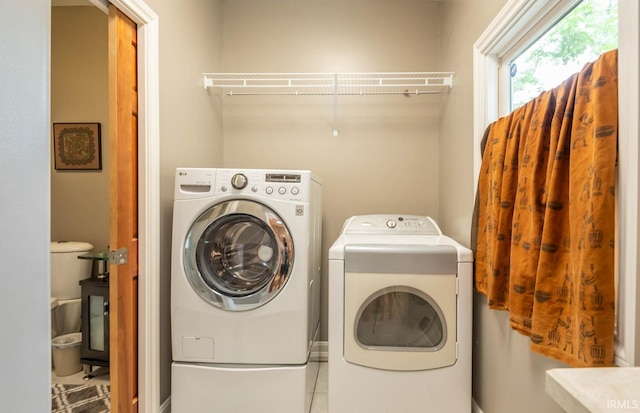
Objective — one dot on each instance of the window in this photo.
(578, 38)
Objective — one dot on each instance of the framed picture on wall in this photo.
(77, 146)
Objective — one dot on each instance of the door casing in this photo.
(148, 201)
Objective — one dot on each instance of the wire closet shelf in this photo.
(338, 84)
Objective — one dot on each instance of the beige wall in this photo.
(507, 376)
(190, 122)
(79, 93)
(385, 158)
(462, 23)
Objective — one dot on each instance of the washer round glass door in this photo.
(238, 255)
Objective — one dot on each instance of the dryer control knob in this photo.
(239, 181)
(391, 223)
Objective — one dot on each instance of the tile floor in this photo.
(101, 377)
(320, 401)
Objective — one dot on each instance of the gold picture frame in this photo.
(77, 146)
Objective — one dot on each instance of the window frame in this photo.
(518, 25)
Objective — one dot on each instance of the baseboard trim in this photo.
(166, 406)
(320, 351)
(474, 407)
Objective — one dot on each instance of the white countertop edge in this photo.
(595, 390)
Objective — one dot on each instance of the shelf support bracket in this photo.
(335, 104)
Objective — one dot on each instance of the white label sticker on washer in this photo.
(299, 210)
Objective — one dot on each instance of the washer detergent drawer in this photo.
(400, 321)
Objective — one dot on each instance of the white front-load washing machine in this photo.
(400, 318)
(245, 286)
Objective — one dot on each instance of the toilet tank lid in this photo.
(70, 246)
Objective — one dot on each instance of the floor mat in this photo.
(72, 398)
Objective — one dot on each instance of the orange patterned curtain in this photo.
(545, 216)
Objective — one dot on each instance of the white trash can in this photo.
(66, 354)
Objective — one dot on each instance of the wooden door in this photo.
(123, 200)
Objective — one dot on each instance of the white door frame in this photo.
(148, 199)
(628, 350)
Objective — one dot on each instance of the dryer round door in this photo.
(400, 322)
(238, 255)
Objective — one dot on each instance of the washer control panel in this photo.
(276, 185)
(391, 224)
(285, 185)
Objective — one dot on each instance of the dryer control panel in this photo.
(391, 224)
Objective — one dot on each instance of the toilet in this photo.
(66, 303)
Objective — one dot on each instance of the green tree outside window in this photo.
(588, 30)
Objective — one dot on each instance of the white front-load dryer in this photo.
(245, 282)
(399, 318)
